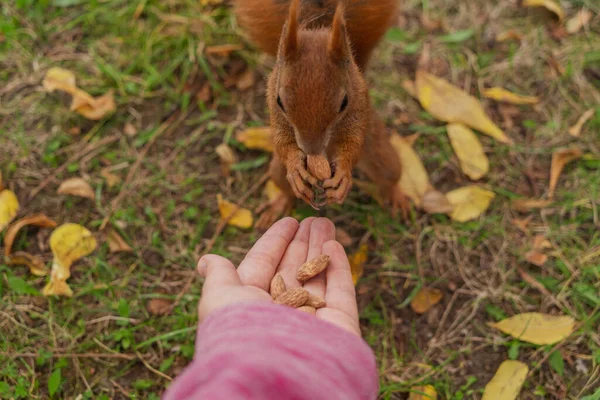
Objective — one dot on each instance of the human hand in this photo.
(284, 248)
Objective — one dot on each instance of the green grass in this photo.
(105, 343)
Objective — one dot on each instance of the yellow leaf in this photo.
(525, 205)
(34, 263)
(537, 328)
(242, 217)
(116, 243)
(426, 392)
(357, 262)
(414, 181)
(581, 19)
(550, 5)
(425, 299)
(59, 79)
(435, 202)
(256, 138)
(506, 383)
(272, 191)
(11, 233)
(575, 130)
(560, 158)
(469, 202)
(448, 103)
(503, 95)
(473, 161)
(9, 206)
(227, 157)
(69, 243)
(77, 187)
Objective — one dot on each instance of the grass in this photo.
(107, 342)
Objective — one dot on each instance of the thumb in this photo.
(218, 271)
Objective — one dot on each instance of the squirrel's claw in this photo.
(339, 186)
(297, 181)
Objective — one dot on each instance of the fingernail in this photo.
(202, 266)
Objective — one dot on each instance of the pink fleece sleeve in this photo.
(267, 351)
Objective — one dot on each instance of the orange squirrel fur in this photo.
(318, 97)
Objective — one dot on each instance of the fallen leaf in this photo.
(77, 187)
(469, 202)
(536, 258)
(371, 189)
(75, 131)
(560, 158)
(575, 130)
(116, 243)
(271, 190)
(540, 242)
(159, 306)
(414, 181)
(111, 179)
(227, 157)
(509, 35)
(473, 161)
(129, 129)
(500, 94)
(343, 237)
(357, 262)
(582, 18)
(40, 220)
(59, 79)
(436, 202)
(426, 392)
(507, 381)
(69, 243)
(245, 80)
(224, 49)
(425, 299)
(256, 138)
(33, 262)
(9, 206)
(448, 103)
(525, 205)
(550, 5)
(537, 328)
(522, 223)
(242, 217)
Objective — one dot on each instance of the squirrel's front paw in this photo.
(301, 181)
(338, 187)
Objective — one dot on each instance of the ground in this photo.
(107, 342)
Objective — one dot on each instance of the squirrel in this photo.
(318, 98)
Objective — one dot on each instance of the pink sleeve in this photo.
(267, 351)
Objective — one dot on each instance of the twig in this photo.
(72, 355)
(152, 369)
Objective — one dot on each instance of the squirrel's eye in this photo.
(344, 103)
(280, 104)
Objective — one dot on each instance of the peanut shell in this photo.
(277, 287)
(315, 301)
(312, 268)
(296, 297)
(318, 166)
(308, 309)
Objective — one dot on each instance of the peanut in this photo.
(312, 268)
(277, 286)
(315, 301)
(318, 166)
(308, 309)
(296, 297)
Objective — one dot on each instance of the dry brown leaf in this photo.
(540, 242)
(130, 130)
(256, 138)
(509, 35)
(469, 202)
(522, 223)
(159, 306)
(536, 258)
(223, 49)
(448, 103)
(473, 161)
(436, 202)
(560, 158)
(116, 243)
(524, 205)
(69, 243)
(33, 262)
(111, 179)
(506, 383)
(227, 157)
(537, 328)
(343, 237)
(77, 187)
(414, 182)
(357, 262)
(245, 80)
(575, 130)
(40, 220)
(500, 94)
(9, 206)
(426, 392)
(550, 5)
(581, 19)
(425, 299)
(241, 218)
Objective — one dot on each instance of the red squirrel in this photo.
(318, 97)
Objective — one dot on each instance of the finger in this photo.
(295, 255)
(262, 260)
(340, 293)
(218, 272)
(321, 231)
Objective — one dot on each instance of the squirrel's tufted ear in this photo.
(339, 49)
(289, 38)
